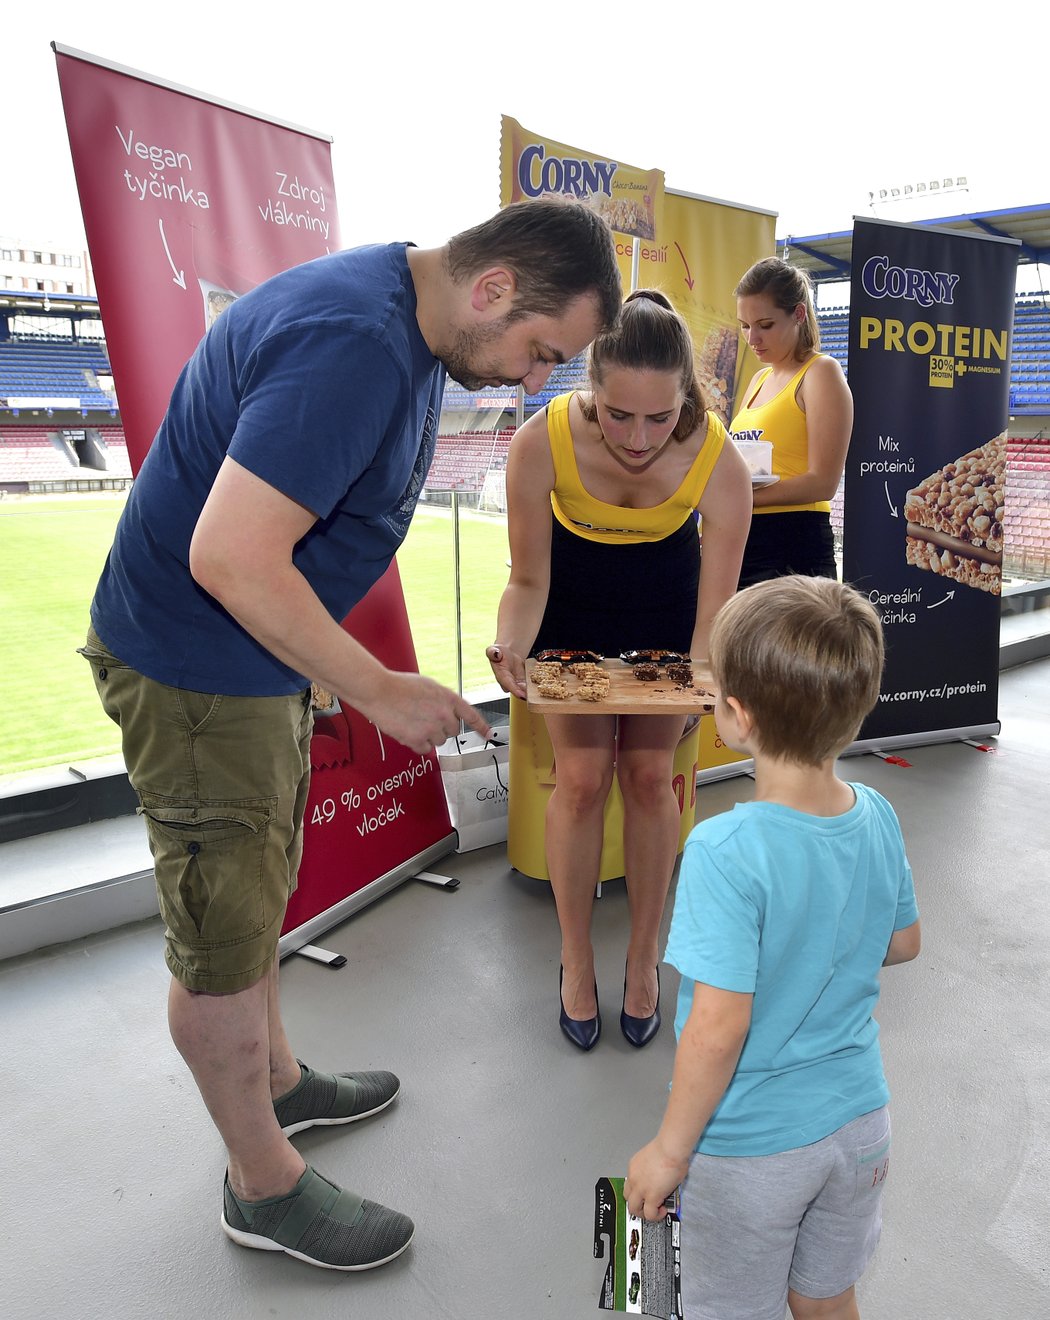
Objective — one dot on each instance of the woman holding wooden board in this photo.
(603, 489)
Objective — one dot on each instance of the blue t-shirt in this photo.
(319, 382)
(797, 910)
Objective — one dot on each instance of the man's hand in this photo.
(242, 554)
(419, 712)
(652, 1176)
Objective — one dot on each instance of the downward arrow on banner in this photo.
(893, 507)
(688, 276)
(178, 277)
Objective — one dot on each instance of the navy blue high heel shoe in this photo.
(584, 1035)
(639, 1031)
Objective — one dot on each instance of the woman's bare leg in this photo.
(652, 823)
(583, 760)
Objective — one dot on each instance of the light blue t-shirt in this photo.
(797, 910)
(319, 382)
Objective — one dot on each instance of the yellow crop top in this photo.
(595, 520)
(783, 422)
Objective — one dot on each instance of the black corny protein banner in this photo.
(931, 314)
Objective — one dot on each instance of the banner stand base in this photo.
(293, 941)
(923, 739)
(333, 960)
(868, 746)
(712, 773)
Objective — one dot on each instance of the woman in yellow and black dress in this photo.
(603, 491)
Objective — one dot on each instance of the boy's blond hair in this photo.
(803, 656)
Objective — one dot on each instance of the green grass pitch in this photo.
(52, 551)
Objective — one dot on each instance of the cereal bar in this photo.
(592, 691)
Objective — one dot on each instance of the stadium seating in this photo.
(1027, 520)
(36, 457)
(461, 461)
(48, 367)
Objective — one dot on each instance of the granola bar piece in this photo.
(548, 671)
(592, 691)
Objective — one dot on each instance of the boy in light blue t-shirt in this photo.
(787, 907)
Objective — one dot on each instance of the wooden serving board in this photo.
(627, 694)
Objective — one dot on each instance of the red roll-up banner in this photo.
(189, 202)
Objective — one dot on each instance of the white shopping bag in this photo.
(475, 774)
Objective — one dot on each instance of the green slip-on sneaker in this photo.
(325, 1099)
(319, 1223)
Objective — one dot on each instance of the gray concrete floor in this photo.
(111, 1175)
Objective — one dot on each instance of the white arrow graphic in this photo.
(941, 601)
(177, 277)
(893, 508)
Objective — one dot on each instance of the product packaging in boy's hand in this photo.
(644, 1273)
(474, 772)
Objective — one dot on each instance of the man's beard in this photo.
(461, 358)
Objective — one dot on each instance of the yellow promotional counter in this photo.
(532, 779)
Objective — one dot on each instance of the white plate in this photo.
(759, 482)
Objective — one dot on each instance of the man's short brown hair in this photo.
(803, 656)
(559, 250)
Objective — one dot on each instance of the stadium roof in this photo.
(48, 304)
(828, 256)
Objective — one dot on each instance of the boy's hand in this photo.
(652, 1176)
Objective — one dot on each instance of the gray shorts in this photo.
(807, 1218)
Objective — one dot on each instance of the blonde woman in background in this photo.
(801, 403)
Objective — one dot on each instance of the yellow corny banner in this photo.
(630, 200)
(703, 248)
(694, 249)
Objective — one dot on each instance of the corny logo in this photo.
(926, 287)
(539, 174)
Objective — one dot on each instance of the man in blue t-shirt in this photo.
(786, 910)
(278, 488)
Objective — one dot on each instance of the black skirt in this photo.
(783, 543)
(613, 598)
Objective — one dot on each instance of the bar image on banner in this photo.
(931, 313)
(629, 200)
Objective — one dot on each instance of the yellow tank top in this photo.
(577, 510)
(783, 422)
